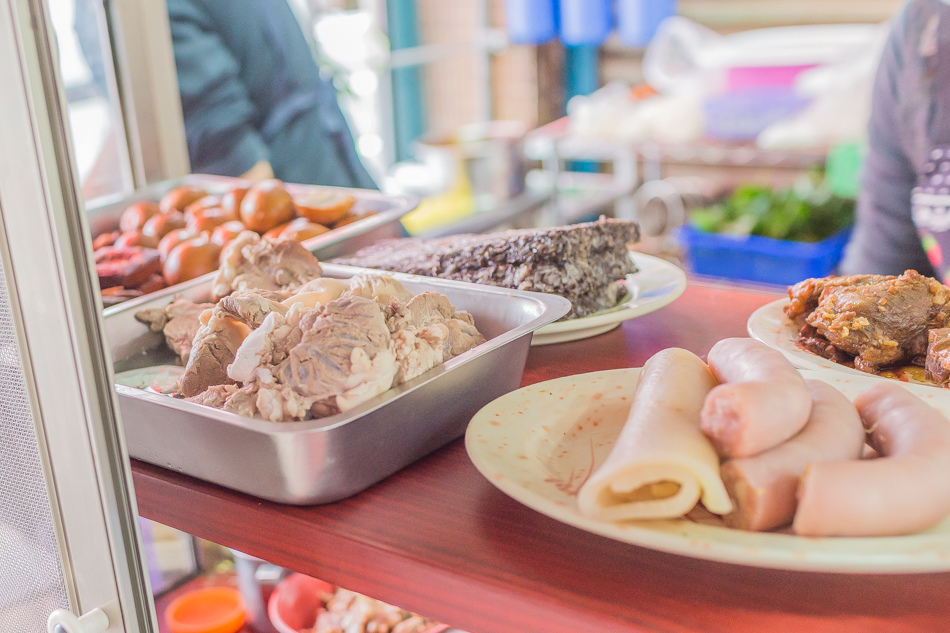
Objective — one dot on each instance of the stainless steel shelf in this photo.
(554, 141)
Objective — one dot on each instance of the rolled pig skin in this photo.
(906, 490)
(763, 401)
(763, 488)
(661, 464)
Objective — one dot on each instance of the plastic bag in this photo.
(684, 52)
(612, 113)
(840, 102)
(673, 61)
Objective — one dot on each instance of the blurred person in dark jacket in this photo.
(903, 216)
(253, 98)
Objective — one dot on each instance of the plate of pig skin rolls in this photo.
(738, 458)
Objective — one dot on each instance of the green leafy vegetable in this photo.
(806, 212)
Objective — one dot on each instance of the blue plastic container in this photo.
(638, 20)
(530, 21)
(760, 259)
(585, 22)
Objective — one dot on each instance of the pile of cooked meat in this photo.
(350, 612)
(282, 343)
(876, 322)
(582, 262)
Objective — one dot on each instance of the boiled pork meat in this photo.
(178, 321)
(250, 262)
(428, 331)
(316, 359)
(222, 331)
(213, 349)
(344, 354)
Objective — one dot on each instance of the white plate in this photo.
(770, 325)
(656, 284)
(540, 443)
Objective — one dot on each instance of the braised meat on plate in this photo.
(805, 295)
(882, 321)
(938, 356)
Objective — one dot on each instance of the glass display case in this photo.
(69, 541)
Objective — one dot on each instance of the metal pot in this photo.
(256, 581)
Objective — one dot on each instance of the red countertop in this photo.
(440, 540)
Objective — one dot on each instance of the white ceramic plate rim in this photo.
(655, 285)
(926, 552)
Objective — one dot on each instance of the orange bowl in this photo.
(210, 610)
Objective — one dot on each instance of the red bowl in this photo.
(285, 621)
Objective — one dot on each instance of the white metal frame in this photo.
(148, 89)
(488, 42)
(45, 246)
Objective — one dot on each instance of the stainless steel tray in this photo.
(320, 461)
(347, 239)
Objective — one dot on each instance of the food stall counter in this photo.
(439, 539)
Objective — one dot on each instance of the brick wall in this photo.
(453, 86)
(466, 86)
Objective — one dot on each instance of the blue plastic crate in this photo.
(760, 259)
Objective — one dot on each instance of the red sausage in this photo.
(763, 402)
(763, 487)
(904, 491)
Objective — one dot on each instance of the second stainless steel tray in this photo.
(320, 461)
(383, 224)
